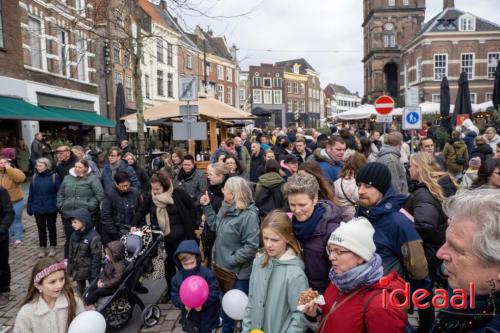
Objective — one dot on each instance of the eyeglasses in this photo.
(336, 252)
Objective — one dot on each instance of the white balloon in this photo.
(234, 303)
(88, 321)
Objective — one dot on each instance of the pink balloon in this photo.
(194, 291)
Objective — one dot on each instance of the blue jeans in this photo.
(228, 323)
(16, 229)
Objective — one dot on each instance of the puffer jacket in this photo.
(331, 169)
(113, 272)
(79, 192)
(42, 198)
(85, 248)
(274, 294)
(391, 157)
(237, 237)
(108, 172)
(452, 150)
(208, 317)
(11, 180)
(315, 257)
(348, 317)
(119, 208)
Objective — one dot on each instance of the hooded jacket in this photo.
(348, 317)
(79, 192)
(331, 169)
(6, 214)
(269, 180)
(108, 172)
(119, 208)
(208, 317)
(396, 239)
(274, 293)
(113, 273)
(237, 237)
(85, 248)
(391, 157)
(315, 257)
(453, 150)
(483, 151)
(11, 180)
(42, 197)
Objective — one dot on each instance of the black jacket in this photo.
(302, 160)
(181, 213)
(143, 177)
(483, 151)
(63, 167)
(257, 166)
(119, 208)
(6, 214)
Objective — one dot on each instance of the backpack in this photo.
(268, 199)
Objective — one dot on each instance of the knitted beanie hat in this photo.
(375, 174)
(356, 236)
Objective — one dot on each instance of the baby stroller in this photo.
(117, 309)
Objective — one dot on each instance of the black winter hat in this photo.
(375, 174)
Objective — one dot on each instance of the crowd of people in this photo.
(276, 215)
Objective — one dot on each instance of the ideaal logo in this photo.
(440, 300)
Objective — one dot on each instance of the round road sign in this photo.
(384, 105)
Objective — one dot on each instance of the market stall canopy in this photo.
(363, 111)
(483, 107)
(18, 109)
(208, 107)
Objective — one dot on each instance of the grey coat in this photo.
(195, 186)
(390, 156)
(237, 237)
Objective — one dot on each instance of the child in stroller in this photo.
(111, 275)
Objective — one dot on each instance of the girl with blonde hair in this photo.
(277, 280)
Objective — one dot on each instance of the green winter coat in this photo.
(451, 151)
(79, 192)
(23, 157)
(237, 237)
(269, 180)
(274, 293)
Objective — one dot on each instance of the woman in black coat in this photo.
(172, 210)
(142, 175)
(482, 150)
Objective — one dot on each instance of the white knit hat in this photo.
(356, 236)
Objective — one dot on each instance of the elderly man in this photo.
(492, 137)
(471, 254)
(65, 161)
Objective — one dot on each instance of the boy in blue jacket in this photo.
(188, 260)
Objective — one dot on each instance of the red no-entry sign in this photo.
(384, 105)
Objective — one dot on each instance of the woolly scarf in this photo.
(183, 175)
(304, 230)
(161, 201)
(366, 274)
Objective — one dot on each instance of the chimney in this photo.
(448, 4)
(163, 4)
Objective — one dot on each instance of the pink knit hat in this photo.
(475, 162)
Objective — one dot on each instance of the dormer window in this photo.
(296, 68)
(392, 3)
(467, 23)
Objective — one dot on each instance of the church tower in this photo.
(387, 26)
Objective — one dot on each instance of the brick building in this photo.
(452, 42)
(48, 59)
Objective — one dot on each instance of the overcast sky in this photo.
(327, 33)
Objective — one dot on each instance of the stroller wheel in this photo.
(151, 315)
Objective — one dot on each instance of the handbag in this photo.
(459, 160)
(225, 278)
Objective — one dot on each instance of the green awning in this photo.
(89, 118)
(18, 109)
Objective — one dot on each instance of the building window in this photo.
(170, 54)
(467, 65)
(302, 106)
(289, 88)
(436, 98)
(296, 88)
(146, 85)
(302, 89)
(406, 74)
(493, 59)
(81, 59)
(128, 88)
(268, 97)
(35, 30)
(419, 70)
(220, 72)
(489, 97)
(189, 61)
(290, 106)
(118, 78)
(126, 58)
(118, 20)
(2, 45)
(257, 96)
(62, 39)
(473, 98)
(440, 66)
(278, 98)
(207, 68)
(170, 85)
(257, 82)
(467, 23)
(406, 2)
(392, 3)
(220, 92)
(159, 83)
(80, 6)
(389, 40)
(296, 107)
(268, 82)
(116, 54)
(278, 82)
(243, 94)
(159, 49)
(229, 95)
(229, 75)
